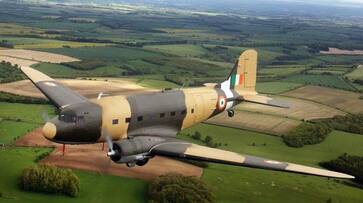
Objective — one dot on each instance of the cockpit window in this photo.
(68, 118)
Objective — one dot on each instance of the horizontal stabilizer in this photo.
(259, 99)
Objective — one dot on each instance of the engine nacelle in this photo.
(135, 150)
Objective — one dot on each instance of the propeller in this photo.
(108, 139)
(45, 116)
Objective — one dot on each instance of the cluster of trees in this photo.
(50, 179)
(306, 134)
(6, 44)
(179, 189)
(358, 81)
(12, 98)
(9, 73)
(349, 164)
(350, 123)
(208, 140)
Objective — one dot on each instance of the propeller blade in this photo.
(45, 116)
(109, 142)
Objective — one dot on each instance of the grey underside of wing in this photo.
(192, 151)
(58, 94)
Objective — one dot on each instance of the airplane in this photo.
(140, 126)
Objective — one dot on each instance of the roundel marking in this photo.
(222, 102)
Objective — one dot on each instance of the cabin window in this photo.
(184, 112)
(128, 119)
(172, 113)
(162, 115)
(114, 121)
(192, 110)
(140, 118)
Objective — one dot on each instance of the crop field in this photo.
(276, 87)
(256, 185)
(300, 109)
(332, 81)
(356, 73)
(36, 56)
(273, 120)
(30, 113)
(255, 121)
(279, 71)
(342, 100)
(335, 51)
(11, 130)
(58, 70)
(186, 50)
(88, 88)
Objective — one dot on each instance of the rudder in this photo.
(243, 74)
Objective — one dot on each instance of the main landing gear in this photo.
(138, 162)
(230, 113)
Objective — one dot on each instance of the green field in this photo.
(94, 187)
(279, 72)
(276, 87)
(156, 84)
(10, 130)
(179, 49)
(30, 113)
(356, 73)
(58, 70)
(234, 184)
(333, 81)
(37, 43)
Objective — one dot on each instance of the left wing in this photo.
(58, 94)
(181, 149)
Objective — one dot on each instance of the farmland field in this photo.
(276, 87)
(321, 80)
(30, 113)
(255, 121)
(356, 73)
(343, 100)
(179, 49)
(300, 109)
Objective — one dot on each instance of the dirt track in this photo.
(92, 158)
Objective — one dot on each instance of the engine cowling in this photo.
(135, 150)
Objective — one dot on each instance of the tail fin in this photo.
(243, 75)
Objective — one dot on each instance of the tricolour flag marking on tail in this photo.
(236, 79)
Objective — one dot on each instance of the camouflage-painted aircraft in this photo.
(140, 126)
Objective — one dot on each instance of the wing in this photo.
(187, 150)
(58, 94)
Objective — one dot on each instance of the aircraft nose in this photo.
(49, 130)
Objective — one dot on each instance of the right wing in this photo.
(58, 94)
(181, 149)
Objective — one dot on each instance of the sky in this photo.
(338, 2)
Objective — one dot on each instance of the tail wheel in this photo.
(230, 113)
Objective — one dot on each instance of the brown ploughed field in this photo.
(340, 99)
